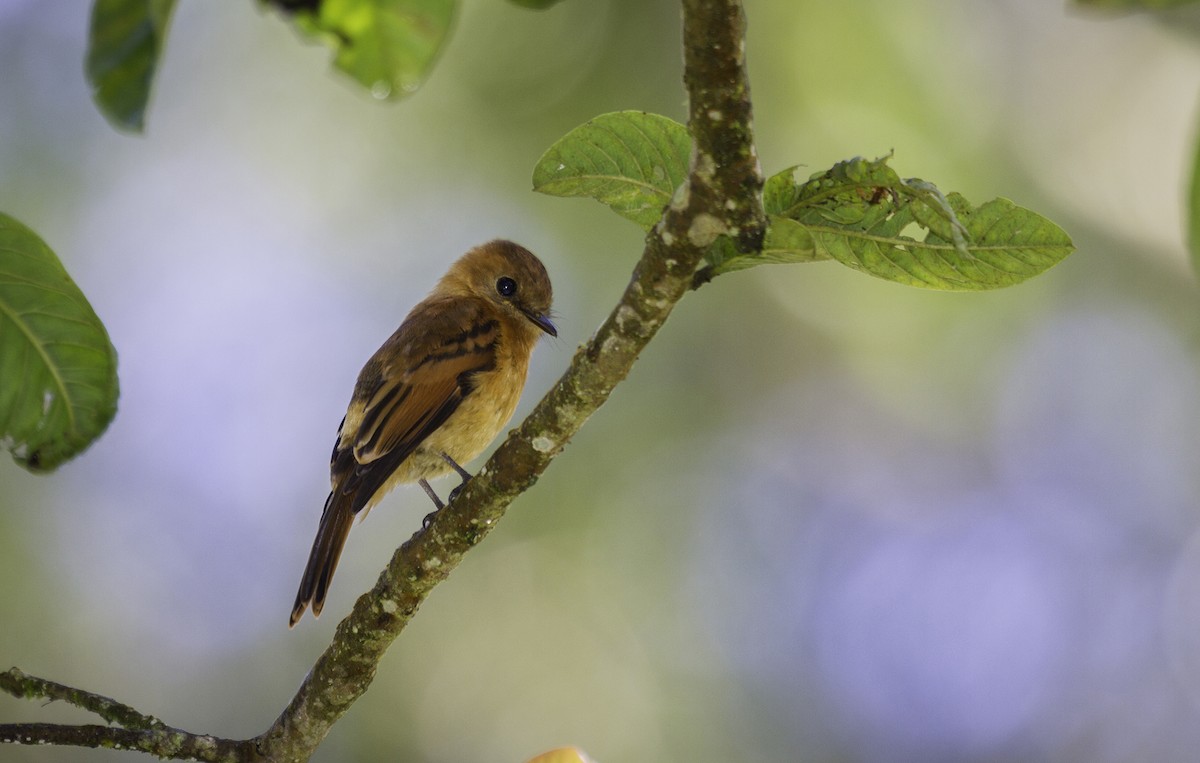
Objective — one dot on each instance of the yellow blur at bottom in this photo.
(562, 755)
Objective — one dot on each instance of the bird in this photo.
(434, 395)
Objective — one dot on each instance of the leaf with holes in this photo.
(58, 370)
(630, 161)
(862, 214)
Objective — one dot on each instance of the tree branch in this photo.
(720, 197)
(133, 730)
(725, 172)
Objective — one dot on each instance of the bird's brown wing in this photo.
(407, 390)
(418, 388)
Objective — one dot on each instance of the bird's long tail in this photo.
(336, 520)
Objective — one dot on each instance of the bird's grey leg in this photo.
(429, 491)
(433, 497)
(466, 475)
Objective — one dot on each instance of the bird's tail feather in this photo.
(336, 520)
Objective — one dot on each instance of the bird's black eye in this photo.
(506, 287)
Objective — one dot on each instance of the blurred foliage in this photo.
(535, 4)
(59, 369)
(125, 42)
(387, 46)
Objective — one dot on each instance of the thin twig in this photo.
(20, 684)
(133, 730)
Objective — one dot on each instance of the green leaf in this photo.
(861, 214)
(388, 46)
(59, 368)
(125, 41)
(629, 160)
(780, 191)
(787, 242)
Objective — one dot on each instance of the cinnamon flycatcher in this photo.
(434, 395)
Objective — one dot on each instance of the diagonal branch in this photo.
(720, 197)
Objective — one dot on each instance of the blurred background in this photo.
(827, 518)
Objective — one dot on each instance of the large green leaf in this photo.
(388, 46)
(863, 215)
(629, 160)
(125, 41)
(58, 370)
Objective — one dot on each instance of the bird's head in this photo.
(508, 275)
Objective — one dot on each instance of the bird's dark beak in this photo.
(542, 322)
